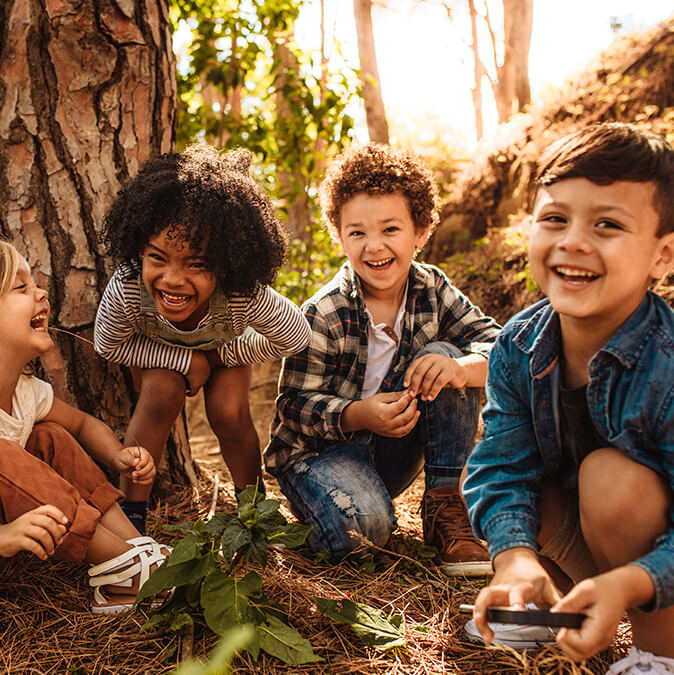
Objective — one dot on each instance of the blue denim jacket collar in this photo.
(540, 337)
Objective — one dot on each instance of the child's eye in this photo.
(20, 287)
(355, 233)
(553, 218)
(155, 256)
(197, 265)
(608, 225)
(392, 228)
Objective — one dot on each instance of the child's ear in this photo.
(422, 237)
(664, 257)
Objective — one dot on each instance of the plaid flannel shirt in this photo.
(317, 383)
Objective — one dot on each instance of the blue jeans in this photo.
(350, 486)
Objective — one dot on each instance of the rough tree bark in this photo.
(375, 113)
(87, 93)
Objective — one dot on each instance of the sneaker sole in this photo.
(518, 645)
(467, 569)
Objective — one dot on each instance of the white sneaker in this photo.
(515, 635)
(639, 662)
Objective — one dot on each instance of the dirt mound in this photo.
(481, 238)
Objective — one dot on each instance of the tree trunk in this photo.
(87, 93)
(512, 91)
(375, 113)
(476, 91)
(523, 24)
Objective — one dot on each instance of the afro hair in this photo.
(205, 198)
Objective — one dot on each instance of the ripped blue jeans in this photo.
(349, 487)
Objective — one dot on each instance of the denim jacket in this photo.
(630, 398)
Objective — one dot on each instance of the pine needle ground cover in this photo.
(46, 626)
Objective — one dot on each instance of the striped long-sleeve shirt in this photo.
(279, 329)
(320, 381)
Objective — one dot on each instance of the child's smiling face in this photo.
(177, 279)
(379, 237)
(593, 248)
(25, 316)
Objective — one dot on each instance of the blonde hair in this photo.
(9, 266)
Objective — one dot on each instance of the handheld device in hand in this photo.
(530, 617)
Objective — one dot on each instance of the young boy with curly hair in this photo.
(389, 382)
(572, 483)
(190, 304)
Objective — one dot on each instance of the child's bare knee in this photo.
(618, 495)
(162, 394)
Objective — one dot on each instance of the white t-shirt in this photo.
(382, 345)
(32, 401)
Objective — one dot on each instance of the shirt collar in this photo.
(540, 336)
(350, 285)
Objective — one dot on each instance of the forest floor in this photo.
(46, 626)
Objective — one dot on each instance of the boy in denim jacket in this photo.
(572, 483)
(389, 381)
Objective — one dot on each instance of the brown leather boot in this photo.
(446, 526)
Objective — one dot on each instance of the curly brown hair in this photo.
(204, 197)
(378, 169)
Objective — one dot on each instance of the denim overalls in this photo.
(214, 333)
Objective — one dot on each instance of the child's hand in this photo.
(392, 414)
(518, 578)
(199, 372)
(603, 599)
(136, 463)
(39, 531)
(430, 373)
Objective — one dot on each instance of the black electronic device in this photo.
(530, 617)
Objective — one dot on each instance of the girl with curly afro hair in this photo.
(198, 244)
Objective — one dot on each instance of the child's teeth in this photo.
(574, 273)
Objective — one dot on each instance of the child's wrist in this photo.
(350, 419)
(512, 557)
(634, 583)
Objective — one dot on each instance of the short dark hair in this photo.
(378, 169)
(614, 151)
(204, 197)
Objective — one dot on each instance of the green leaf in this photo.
(152, 623)
(250, 496)
(180, 527)
(235, 536)
(216, 525)
(179, 621)
(427, 552)
(371, 625)
(248, 515)
(285, 643)
(225, 600)
(292, 535)
(257, 549)
(168, 576)
(232, 642)
(188, 548)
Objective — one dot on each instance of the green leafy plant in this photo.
(371, 625)
(199, 576)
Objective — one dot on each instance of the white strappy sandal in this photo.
(120, 572)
